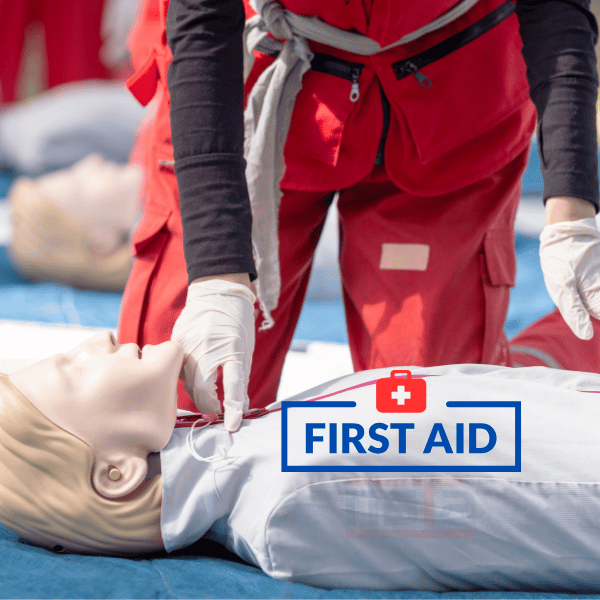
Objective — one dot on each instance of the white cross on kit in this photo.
(401, 396)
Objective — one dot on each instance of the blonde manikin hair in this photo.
(46, 494)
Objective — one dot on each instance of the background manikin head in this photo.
(75, 433)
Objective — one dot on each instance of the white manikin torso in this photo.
(533, 529)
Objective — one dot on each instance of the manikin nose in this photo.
(104, 341)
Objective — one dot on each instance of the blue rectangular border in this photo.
(286, 404)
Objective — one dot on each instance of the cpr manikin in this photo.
(78, 470)
(113, 406)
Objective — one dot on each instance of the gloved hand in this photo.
(570, 259)
(216, 328)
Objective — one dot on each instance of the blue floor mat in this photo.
(6, 180)
(205, 570)
(53, 303)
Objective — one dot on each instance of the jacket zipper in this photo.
(385, 106)
(414, 64)
(345, 69)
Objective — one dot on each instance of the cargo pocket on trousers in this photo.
(499, 269)
(148, 245)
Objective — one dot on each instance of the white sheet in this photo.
(5, 227)
(458, 517)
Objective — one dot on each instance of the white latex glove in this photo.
(216, 328)
(570, 259)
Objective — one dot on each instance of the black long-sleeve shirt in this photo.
(206, 87)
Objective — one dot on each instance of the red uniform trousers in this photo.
(550, 343)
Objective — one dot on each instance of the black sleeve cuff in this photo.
(215, 214)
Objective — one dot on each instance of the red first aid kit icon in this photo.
(400, 394)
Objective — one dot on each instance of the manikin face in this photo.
(120, 400)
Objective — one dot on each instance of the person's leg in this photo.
(549, 342)
(301, 218)
(426, 279)
(73, 40)
(156, 289)
(15, 16)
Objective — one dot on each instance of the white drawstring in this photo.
(221, 453)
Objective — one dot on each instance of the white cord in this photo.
(221, 453)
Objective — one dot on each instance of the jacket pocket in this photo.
(499, 270)
(462, 112)
(148, 229)
(148, 245)
(144, 82)
(465, 85)
(322, 108)
(500, 258)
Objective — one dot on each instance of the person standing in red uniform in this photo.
(72, 36)
(425, 142)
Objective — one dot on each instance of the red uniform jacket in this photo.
(472, 118)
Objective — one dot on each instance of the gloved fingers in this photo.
(204, 389)
(589, 284)
(235, 391)
(187, 374)
(216, 326)
(580, 325)
(233, 419)
(574, 312)
(591, 301)
(183, 330)
(563, 275)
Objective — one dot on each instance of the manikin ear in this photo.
(119, 476)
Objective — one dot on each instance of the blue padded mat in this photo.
(205, 570)
(53, 303)
(6, 180)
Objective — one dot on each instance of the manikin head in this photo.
(76, 431)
